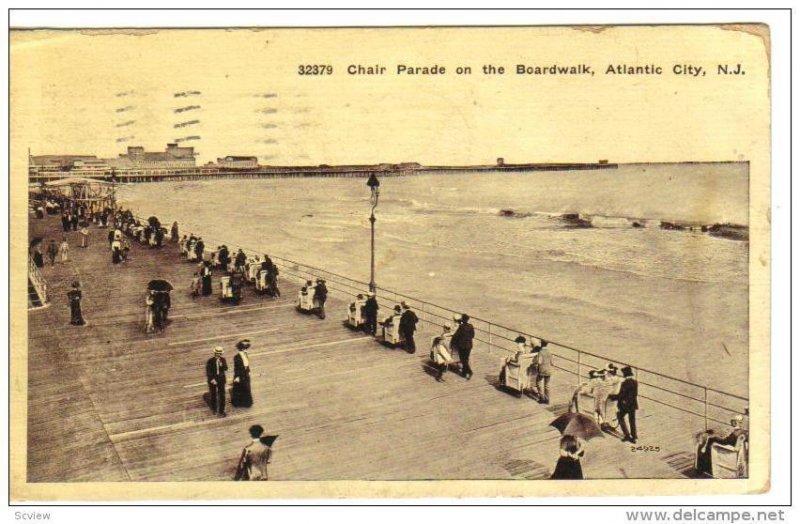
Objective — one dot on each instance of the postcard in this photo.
(389, 262)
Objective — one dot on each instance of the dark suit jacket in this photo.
(627, 396)
(462, 339)
(408, 321)
(211, 370)
(371, 307)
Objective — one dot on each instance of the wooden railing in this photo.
(705, 403)
(37, 281)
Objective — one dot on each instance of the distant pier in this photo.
(180, 174)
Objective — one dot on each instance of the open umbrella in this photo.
(578, 425)
(159, 285)
(268, 440)
(153, 221)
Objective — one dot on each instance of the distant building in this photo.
(137, 157)
(501, 161)
(238, 162)
(54, 163)
(91, 164)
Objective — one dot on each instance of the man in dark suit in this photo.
(371, 315)
(627, 404)
(408, 324)
(215, 373)
(462, 341)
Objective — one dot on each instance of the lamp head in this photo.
(373, 182)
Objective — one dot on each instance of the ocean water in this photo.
(675, 302)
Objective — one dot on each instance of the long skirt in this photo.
(116, 256)
(149, 325)
(75, 313)
(241, 396)
(207, 286)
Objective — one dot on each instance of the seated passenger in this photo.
(707, 439)
(393, 321)
(441, 356)
(305, 296)
(355, 312)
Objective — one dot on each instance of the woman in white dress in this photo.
(63, 251)
(149, 326)
(441, 354)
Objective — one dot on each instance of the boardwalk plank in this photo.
(109, 402)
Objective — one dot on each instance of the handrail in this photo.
(292, 268)
(37, 280)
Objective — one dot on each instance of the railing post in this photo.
(705, 407)
(580, 370)
(490, 338)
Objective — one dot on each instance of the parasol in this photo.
(268, 440)
(578, 425)
(159, 285)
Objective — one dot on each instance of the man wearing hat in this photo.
(545, 370)
(371, 314)
(241, 395)
(462, 342)
(627, 404)
(215, 373)
(408, 324)
(320, 296)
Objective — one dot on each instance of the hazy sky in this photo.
(74, 92)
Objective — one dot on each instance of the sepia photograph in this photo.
(312, 256)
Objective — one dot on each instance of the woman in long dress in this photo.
(241, 395)
(63, 251)
(206, 277)
(568, 466)
(116, 251)
(174, 232)
(149, 325)
(74, 296)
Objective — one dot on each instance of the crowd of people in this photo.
(234, 272)
(450, 350)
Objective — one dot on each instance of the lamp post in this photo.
(374, 186)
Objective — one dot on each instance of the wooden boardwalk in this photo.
(108, 402)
